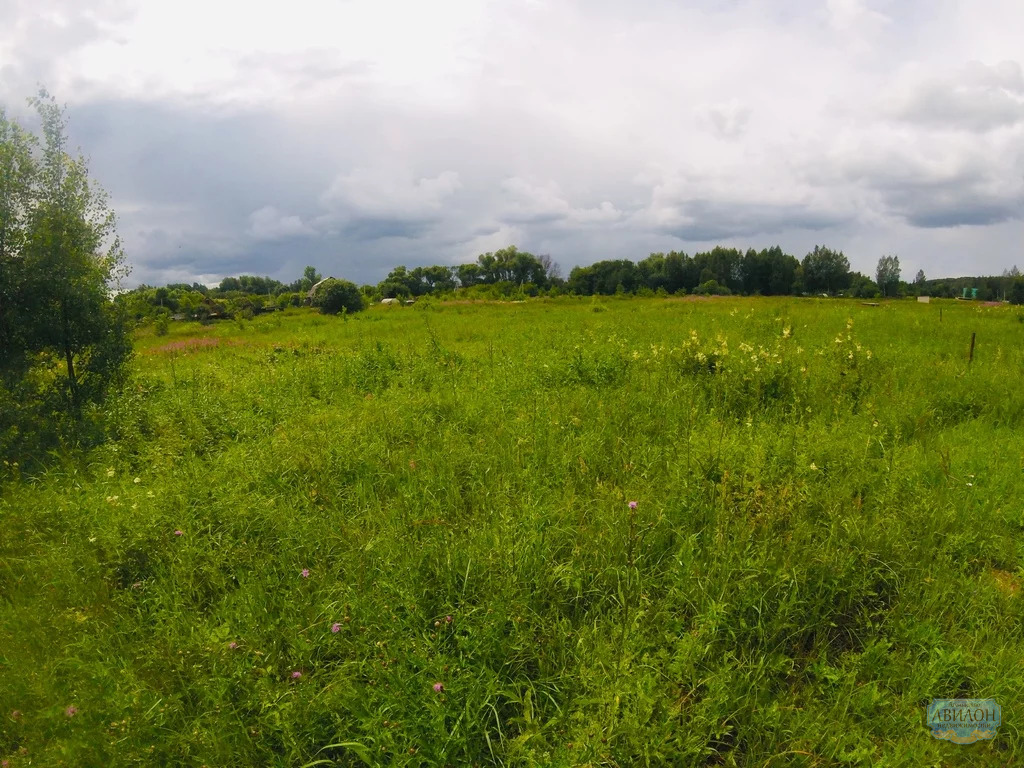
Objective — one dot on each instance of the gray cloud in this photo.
(706, 220)
(728, 120)
(308, 69)
(268, 223)
(978, 98)
(943, 183)
(527, 202)
(260, 142)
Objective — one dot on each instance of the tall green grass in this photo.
(828, 534)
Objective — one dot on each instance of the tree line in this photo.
(512, 272)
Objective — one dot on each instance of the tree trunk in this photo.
(69, 358)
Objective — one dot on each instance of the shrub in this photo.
(336, 296)
(712, 288)
(162, 322)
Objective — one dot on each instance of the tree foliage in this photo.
(887, 275)
(334, 296)
(825, 270)
(63, 342)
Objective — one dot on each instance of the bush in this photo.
(162, 322)
(290, 299)
(335, 296)
(864, 288)
(712, 288)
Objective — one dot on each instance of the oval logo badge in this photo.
(964, 721)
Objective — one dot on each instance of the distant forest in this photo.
(510, 272)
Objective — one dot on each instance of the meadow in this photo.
(406, 538)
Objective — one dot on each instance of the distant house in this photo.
(312, 291)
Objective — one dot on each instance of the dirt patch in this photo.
(1007, 583)
(184, 346)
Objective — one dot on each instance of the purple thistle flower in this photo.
(335, 627)
(447, 619)
(438, 687)
(632, 505)
(179, 532)
(296, 675)
(71, 711)
(305, 573)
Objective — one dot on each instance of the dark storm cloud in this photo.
(361, 230)
(204, 190)
(955, 208)
(222, 162)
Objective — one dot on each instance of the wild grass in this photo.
(828, 534)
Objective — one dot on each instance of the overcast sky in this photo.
(246, 137)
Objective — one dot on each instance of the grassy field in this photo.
(406, 538)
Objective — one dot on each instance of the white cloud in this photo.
(386, 193)
(727, 120)
(527, 202)
(268, 223)
(855, 16)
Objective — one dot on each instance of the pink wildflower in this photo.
(335, 627)
(71, 711)
(232, 645)
(632, 505)
(305, 573)
(179, 532)
(438, 687)
(296, 675)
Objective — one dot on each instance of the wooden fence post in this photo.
(970, 357)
